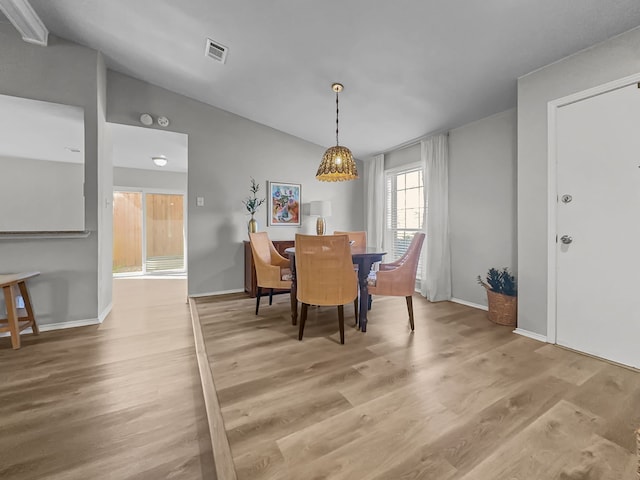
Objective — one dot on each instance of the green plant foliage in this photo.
(252, 202)
(501, 281)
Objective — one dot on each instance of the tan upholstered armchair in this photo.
(324, 275)
(398, 278)
(358, 238)
(272, 269)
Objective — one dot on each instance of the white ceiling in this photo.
(409, 67)
(134, 147)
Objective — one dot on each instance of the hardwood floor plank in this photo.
(120, 400)
(458, 398)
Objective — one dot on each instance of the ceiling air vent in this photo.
(216, 50)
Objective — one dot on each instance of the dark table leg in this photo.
(294, 291)
(364, 266)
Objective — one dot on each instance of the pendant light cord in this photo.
(337, 111)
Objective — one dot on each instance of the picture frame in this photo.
(284, 204)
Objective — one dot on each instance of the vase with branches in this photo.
(252, 203)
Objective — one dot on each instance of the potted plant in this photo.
(502, 296)
(252, 203)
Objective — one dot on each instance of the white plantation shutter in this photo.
(405, 211)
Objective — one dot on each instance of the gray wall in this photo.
(482, 199)
(403, 156)
(50, 194)
(64, 73)
(611, 60)
(482, 202)
(105, 196)
(140, 178)
(225, 150)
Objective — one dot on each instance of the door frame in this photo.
(552, 189)
(161, 191)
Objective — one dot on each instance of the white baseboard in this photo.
(211, 294)
(527, 333)
(469, 304)
(105, 312)
(47, 327)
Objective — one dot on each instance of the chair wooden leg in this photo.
(341, 322)
(303, 319)
(12, 316)
(410, 309)
(370, 299)
(258, 295)
(355, 307)
(271, 296)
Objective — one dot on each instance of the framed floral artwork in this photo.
(284, 204)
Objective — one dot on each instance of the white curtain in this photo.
(374, 206)
(436, 267)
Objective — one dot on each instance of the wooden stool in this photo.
(14, 284)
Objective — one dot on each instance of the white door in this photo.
(598, 273)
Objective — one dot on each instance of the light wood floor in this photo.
(117, 401)
(460, 398)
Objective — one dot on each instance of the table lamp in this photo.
(320, 209)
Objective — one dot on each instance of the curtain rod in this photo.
(415, 141)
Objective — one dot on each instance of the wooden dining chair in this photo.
(359, 239)
(398, 278)
(272, 269)
(324, 275)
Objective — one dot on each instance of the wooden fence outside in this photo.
(165, 231)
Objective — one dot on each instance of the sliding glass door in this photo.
(148, 232)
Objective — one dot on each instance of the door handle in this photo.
(566, 239)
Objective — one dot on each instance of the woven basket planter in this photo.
(503, 309)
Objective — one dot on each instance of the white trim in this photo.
(22, 15)
(535, 336)
(552, 189)
(211, 294)
(105, 312)
(47, 327)
(469, 304)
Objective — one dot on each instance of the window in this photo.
(405, 211)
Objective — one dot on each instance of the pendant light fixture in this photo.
(337, 163)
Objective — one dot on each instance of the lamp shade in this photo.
(337, 165)
(320, 208)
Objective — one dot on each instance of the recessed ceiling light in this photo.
(159, 161)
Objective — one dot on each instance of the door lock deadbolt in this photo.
(566, 239)
(566, 198)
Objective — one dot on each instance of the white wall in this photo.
(41, 195)
(616, 58)
(63, 73)
(482, 202)
(225, 150)
(140, 178)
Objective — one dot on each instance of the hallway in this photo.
(118, 400)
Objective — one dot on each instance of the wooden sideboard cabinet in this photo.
(250, 285)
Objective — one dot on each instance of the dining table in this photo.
(364, 258)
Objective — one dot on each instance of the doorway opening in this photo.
(149, 202)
